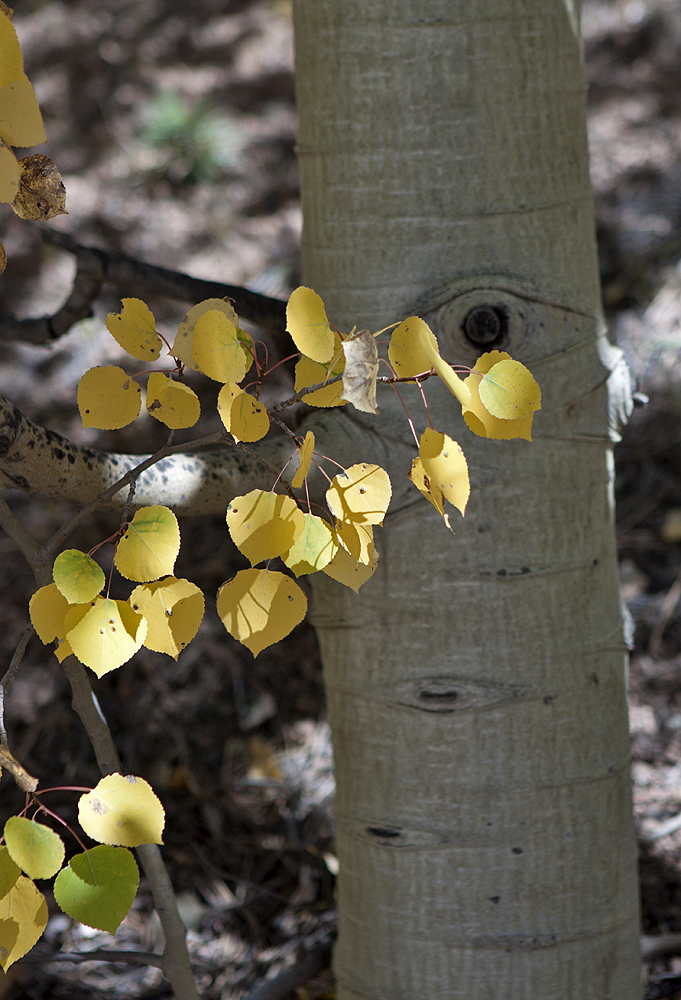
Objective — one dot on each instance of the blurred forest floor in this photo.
(174, 128)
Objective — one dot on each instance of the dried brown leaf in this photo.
(42, 195)
(361, 369)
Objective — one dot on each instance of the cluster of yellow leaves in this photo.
(96, 887)
(32, 186)
(162, 613)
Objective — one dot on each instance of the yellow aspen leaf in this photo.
(478, 417)
(63, 650)
(509, 391)
(77, 576)
(361, 494)
(11, 61)
(107, 636)
(259, 607)
(9, 872)
(445, 466)
(108, 398)
(309, 328)
(314, 547)
(217, 350)
(37, 850)
(41, 195)
(430, 491)
(310, 372)
(244, 417)
(305, 451)
(361, 369)
(10, 174)
(76, 613)
(357, 539)
(47, 609)
(122, 810)
(183, 347)
(150, 545)
(264, 525)
(134, 328)
(21, 123)
(344, 569)
(414, 349)
(173, 609)
(172, 403)
(97, 888)
(23, 918)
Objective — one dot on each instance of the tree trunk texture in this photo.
(476, 684)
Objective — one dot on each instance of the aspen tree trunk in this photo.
(476, 684)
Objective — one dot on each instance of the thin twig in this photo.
(100, 955)
(305, 968)
(24, 541)
(666, 612)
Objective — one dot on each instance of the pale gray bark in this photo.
(476, 684)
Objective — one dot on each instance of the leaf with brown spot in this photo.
(42, 194)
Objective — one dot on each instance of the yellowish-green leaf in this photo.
(259, 607)
(357, 539)
(430, 491)
(134, 328)
(97, 888)
(11, 62)
(445, 466)
(9, 872)
(23, 918)
(305, 451)
(37, 850)
(309, 328)
(47, 609)
(244, 417)
(122, 810)
(264, 525)
(108, 398)
(361, 494)
(361, 369)
(348, 571)
(10, 174)
(173, 403)
(77, 576)
(509, 391)
(173, 610)
(184, 341)
(21, 123)
(108, 635)
(217, 350)
(478, 417)
(314, 547)
(149, 547)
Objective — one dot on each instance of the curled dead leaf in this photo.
(361, 369)
(42, 194)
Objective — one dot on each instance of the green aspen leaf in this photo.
(314, 547)
(309, 328)
(478, 417)
(122, 810)
(430, 491)
(21, 123)
(445, 466)
(107, 636)
(509, 391)
(305, 451)
(10, 174)
(217, 350)
(23, 918)
(310, 372)
(264, 525)
(348, 571)
(357, 539)
(361, 369)
(9, 872)
(11, 61)
(243, 416)
(108, 398)
(171, 402)
(97, 888)
(37, 850)
(47, 609)
(173, 610)
(361, 493)
(134, 328)
(150, 546)
(184, 340)
(259, 607)
(77, 576)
